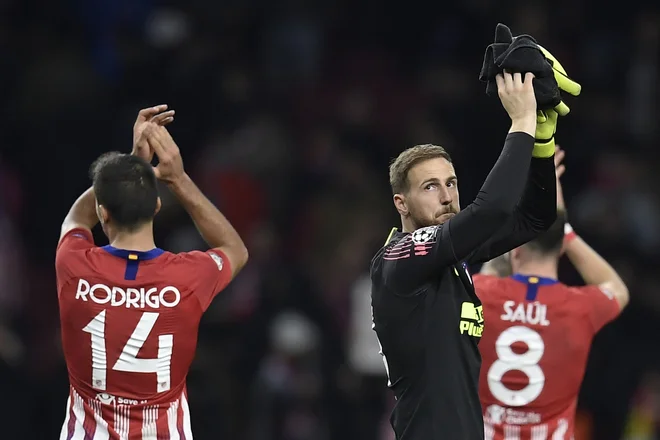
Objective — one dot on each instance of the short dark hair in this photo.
(551, 241)
(401, 166)
(126, 186)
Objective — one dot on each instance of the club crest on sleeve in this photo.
(425, 235)
(217, 259)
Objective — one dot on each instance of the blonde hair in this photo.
(401, 166)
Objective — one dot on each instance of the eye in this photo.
(430, 186)
(451, 184)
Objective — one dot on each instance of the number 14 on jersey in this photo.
(128, 360)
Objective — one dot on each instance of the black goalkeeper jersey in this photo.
(426, 314)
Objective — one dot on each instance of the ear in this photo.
(400, 204)
(158, 206)
(103, 214)
(516, 253)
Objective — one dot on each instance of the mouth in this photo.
(446, 215)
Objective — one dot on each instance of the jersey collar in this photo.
(530, 279)
(133, 255)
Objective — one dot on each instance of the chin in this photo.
(443, 218)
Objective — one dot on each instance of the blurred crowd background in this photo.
(288, 113)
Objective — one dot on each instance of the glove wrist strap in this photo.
(545, 149)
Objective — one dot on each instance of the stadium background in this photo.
(287, 115)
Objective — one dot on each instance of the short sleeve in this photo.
(75, 241)
(600, 305)
(212, 273)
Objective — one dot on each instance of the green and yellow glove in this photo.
(546, 126)
(565, 83)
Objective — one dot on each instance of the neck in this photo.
(407, 224)
(544, 269)
(140, 240)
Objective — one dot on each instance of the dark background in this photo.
(288, 113)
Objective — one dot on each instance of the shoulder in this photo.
(72, 251)
(492, 283)
(74, 240)
(591, 293)
(198, 263)
(484, 280)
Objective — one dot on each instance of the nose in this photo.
(445, 196)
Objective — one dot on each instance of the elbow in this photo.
(623, 296)
(242, 256)
(498, 213)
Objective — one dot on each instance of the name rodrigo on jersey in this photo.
(139, 298)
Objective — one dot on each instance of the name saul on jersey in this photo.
(139, 298)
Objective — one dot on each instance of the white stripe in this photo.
(165, 346)
(122, 421)
(489, 431)
(511, 432)
(187, 430)
(79, 414)
(172, 414)
(67, 417)
(101, 431)
(562, 428)
(540, 432)
(149, 427)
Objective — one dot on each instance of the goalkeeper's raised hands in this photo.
(518, 100)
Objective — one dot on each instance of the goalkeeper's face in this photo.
(432, 196)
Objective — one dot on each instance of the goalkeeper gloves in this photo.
(546, 126)
(565, 83)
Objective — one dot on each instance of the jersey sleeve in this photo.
(601, 307)
(73, 243)
(211, 274)
(416, 258)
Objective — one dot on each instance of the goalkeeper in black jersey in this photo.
(426, 314)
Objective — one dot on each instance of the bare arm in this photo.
(593, 268)
(214, 228)
(212, 225)
(82, 214)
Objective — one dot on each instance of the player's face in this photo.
(432, 198)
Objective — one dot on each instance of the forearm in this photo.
(537, 209)
(214, 228)
(504, 185)
(82, 213)
(593, 268)
(496, 200)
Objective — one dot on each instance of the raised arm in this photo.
(424, 251)
(214, 228)
(82, 214)
(591, 266)
(534, 214)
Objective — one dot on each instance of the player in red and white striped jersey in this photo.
(538, 331)
(130, 311)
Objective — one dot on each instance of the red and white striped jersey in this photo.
(129, 333)
(534, 350)
(103, 418)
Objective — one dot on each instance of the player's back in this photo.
(129, 331)
(534, 349)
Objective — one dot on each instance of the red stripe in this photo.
(90, 422)
(179, 419)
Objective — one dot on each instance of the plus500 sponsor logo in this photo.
(168, 296)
